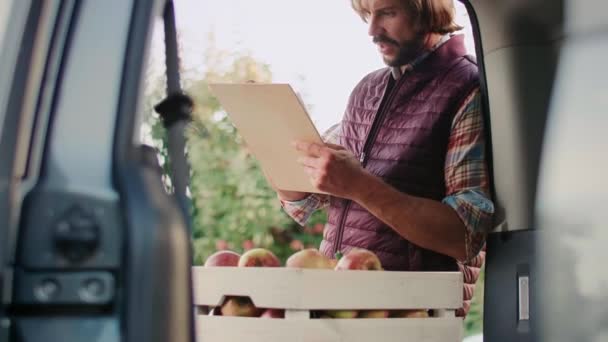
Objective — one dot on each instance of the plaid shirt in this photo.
(466, 177)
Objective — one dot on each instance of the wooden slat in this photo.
(329, 289)
(239, 329)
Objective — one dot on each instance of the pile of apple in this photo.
(356, 259)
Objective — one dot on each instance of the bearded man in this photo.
(405, 170)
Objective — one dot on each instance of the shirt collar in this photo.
(396, 71)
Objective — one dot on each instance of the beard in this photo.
(407, 51)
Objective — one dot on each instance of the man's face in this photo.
(393, 31)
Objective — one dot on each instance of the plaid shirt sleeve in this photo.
(466, 175)
(301, 210)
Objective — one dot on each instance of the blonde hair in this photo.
(429, 16)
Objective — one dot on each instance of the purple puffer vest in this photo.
(407, 151)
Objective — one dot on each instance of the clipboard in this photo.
(269, 117)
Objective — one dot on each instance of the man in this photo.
(405, 168)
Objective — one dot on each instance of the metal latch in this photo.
(523, 295)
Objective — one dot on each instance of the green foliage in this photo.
(233, 205)
(473, 323)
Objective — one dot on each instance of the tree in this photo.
(233, 205)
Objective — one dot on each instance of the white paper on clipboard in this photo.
(270, 117)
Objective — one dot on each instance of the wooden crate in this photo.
(301, 290)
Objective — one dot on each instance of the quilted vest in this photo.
(401, 134)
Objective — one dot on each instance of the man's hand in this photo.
(332, 169)
(427, 223)
(291, 196)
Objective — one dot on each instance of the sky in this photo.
(320, 47)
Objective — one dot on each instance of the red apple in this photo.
(273, 313)
(318, 228)
(221, 245)
(248, 244)
(259, 257)
(239, 306)
(243, 306)
(359, 259)
(222, 258)
(296, 245)
(309, 258)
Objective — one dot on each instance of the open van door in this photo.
(15, 58)
(518, 46)
(91, 246)
(573, 185)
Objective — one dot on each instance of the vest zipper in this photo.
(371, 138)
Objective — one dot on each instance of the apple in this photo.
(359, 259)
(259, 257)
(273, 313)
(318, 228)
(221, 245)
(296, 245)
(309, 258)
(248, 244)
(240, 307)
(409, 313)
(373, 314)
(224, 258)
(243, 306)
(342, 313)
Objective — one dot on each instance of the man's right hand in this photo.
(291, 196)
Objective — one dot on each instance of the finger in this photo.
(335, 147)
(308, 148)
(312, 172)
(310, 162)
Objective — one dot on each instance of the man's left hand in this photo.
(332, 168)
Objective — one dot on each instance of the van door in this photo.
(571, 200)
(95, 248)
(520, 44)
